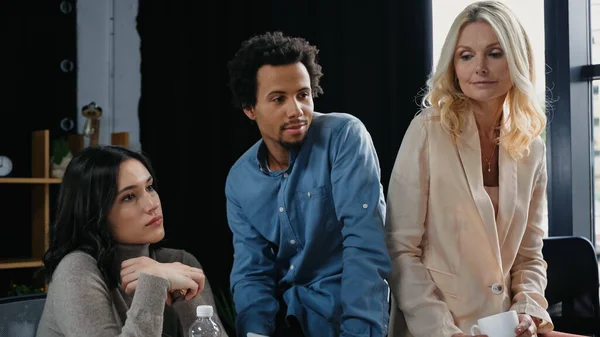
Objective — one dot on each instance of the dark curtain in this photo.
(37, 36)
(376, 56)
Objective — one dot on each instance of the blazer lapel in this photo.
(507, 199)
(469, 150)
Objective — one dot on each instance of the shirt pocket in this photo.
(315, 208)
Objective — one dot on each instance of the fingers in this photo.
(190, 279)
(183, 285)
(198, 276)
(526, 328)
(129, 275)
(130, 288)
(126, 279)
(169, 299)
(129, 262)
(529, 332)
(132, 273)
(129, 270)
(192, 291)
(132, 265)
(181, 277)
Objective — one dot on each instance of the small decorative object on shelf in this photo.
(91, 127)
(6, 166)
(61, 156)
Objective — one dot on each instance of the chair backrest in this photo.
(573, 290)
(20, 315)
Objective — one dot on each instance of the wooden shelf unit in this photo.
(30, 181)
(20, 263)
(40, 201)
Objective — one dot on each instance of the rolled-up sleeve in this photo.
(360, 207)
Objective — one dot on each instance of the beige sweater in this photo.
(79, 302)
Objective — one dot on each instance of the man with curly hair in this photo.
(304, 203)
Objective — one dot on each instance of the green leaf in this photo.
(23, 289)
(60, 149)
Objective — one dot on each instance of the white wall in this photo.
(108, 73)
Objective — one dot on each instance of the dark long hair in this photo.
(87, 193)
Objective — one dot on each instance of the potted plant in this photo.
(61, 156)
(23, 289)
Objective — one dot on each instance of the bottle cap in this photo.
(204, 311)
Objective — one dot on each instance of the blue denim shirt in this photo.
(311, 235)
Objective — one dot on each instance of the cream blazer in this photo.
(452, 262)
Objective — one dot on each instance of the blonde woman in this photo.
(466, 208)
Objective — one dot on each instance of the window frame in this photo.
(570, 153)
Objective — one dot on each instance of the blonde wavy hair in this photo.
(526, 118)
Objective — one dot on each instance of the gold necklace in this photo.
(489, 161)
(496, 135)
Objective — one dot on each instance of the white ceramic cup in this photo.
(499, 325)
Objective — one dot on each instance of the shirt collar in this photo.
(262, 155)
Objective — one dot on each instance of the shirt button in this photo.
(292, 267)
(280, 209)
(293, 242)
(365, 206)
(308, 194)
(497, 288)
(285, 175)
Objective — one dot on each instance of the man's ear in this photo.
(250, 113)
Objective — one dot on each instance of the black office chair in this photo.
(573, 290)
(20, 315)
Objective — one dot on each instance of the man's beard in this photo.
(291, 145)
(294, 145)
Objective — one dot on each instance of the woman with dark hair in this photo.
(106, 276)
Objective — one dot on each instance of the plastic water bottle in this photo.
(204, 326)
